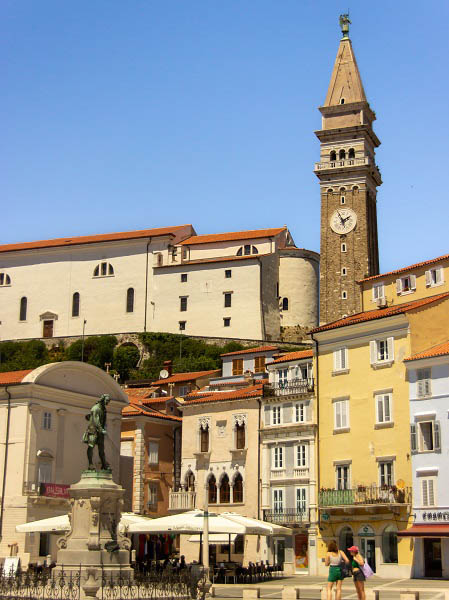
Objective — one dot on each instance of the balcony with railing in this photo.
(287, 516)
(365, 496)
(345, 162)
(181, 500)
(296, 473)
(293, 387)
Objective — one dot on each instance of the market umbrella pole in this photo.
(229, 548)
(206, 532)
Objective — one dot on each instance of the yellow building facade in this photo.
(365, 475)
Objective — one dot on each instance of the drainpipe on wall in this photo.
(259, 483)
(146, 285)
(262, 314)
(317, 466)
(5, 462)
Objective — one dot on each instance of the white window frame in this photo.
(344, 247)
(381, 346)
(378, 291)
(277, 500)
(46, 420)
(300, 412)
(384, 467)
(277, 458)
(341, 412)
(276, 414)
(302, 456)
(344, 295)
(435, 434)
(345, 468)
(411, 287)
(434, 277)
(301, 499)
(423, 384)
(152, 494)
(153, 452)
(428, 490)
(387, 414)
(341, 362)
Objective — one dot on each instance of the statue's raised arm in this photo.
(96, 431)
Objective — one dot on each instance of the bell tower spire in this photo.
(349, 179)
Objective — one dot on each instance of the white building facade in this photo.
(428, 374)
(164, 279)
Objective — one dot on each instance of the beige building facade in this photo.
(42, 420)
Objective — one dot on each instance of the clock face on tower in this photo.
(343, 220)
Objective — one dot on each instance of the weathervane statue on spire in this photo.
(344, 24)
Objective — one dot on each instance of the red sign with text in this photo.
(55, 490)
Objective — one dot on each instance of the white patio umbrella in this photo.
(214, 538)
(61, 524)
(249, 522)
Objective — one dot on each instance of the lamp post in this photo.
(206, 533)
(82, 342)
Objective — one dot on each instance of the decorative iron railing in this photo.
(290, 387)
(365, 495)
(44, 585)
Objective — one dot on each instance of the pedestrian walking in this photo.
(358, 575)
(335, 558)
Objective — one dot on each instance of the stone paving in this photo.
(430, 589)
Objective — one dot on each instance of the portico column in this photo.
(139, 464)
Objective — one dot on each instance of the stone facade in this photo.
(348, 186)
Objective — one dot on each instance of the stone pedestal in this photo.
(94, 545)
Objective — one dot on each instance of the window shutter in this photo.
(421, 388)
(440, 275)
(390, 345)
(387, 408)
(336, 360)
(344, 358)
(431, 492)
(436, 437)
(413, 282)
(413, 439)
(428, 278)
(398, 286)
(425, 495)
(337, 415)
(373, 351)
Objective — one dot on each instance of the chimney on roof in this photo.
(168, 366)
(248, 376)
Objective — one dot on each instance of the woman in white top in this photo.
(333, 560)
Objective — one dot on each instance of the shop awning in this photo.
(426, 530)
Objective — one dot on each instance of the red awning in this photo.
(425, 531)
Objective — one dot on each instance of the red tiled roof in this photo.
(200, 261)
(438, 350)
(293, 356)
(135, 410)
(10, 377)
(160, 400)
(90, 239)
(409, 268)
(143, 392)
(252, 391)
(179, 377)
(380, 313)
(251, 350)
(232, 236)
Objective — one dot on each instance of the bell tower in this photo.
(348, 186)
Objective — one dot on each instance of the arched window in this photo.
(390, 544)
(225, 490)
(351, 153)
(355, 189)
(23, 309)
(342, 101)
(346, 539)
(104, 269)
(247, 249)
(204, 438)
(342, 154)
(76, 305)
(284, 303)
(237, 493)
(5, 279)
(240, 436)
(240, 251)
(130, 300)
(212, 490)
(333, 155)
(255, 250)
(330, 191)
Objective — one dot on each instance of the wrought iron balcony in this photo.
(180, 501)
(294, 387)
(365, 495)
(286, 516)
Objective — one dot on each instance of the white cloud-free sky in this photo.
(130, 115)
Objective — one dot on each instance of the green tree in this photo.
(98, 350)
(17, 356)
(125, 360)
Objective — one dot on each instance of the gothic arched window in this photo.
(333, 155)
(237, 495)
(284, 303)
(130, 300)
(351, 153)
(212, 490)
(23, 309)
(342, 154)
(225, 490)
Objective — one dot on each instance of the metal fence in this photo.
(40, 585)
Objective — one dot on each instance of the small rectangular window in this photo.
(46, 420)
(405, 285)
(152, 495)
(429, 436)
(301, 455)
(344, 295)
(183, 303)
(382, 351)
(341, 359)
(342, 200)
(378, 291)
(227, 299)
(237, 366)
(342, 477)
(228, 273)
(383, 408)
(240, 436)
(341, 414)
(434, 277)
(278, 457)
(300, 412)
(182, 325)
(276, 415)
(183, 277)
(386, 473)
(153, 453)
(343, 247)
(423, 388)
(227, 322)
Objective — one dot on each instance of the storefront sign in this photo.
(54, 490)
(440, 516)
(325, 516)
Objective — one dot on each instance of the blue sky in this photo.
(130, 115)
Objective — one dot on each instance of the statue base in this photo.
(94, 547)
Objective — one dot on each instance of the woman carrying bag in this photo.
(359, 568)
(334, 560)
